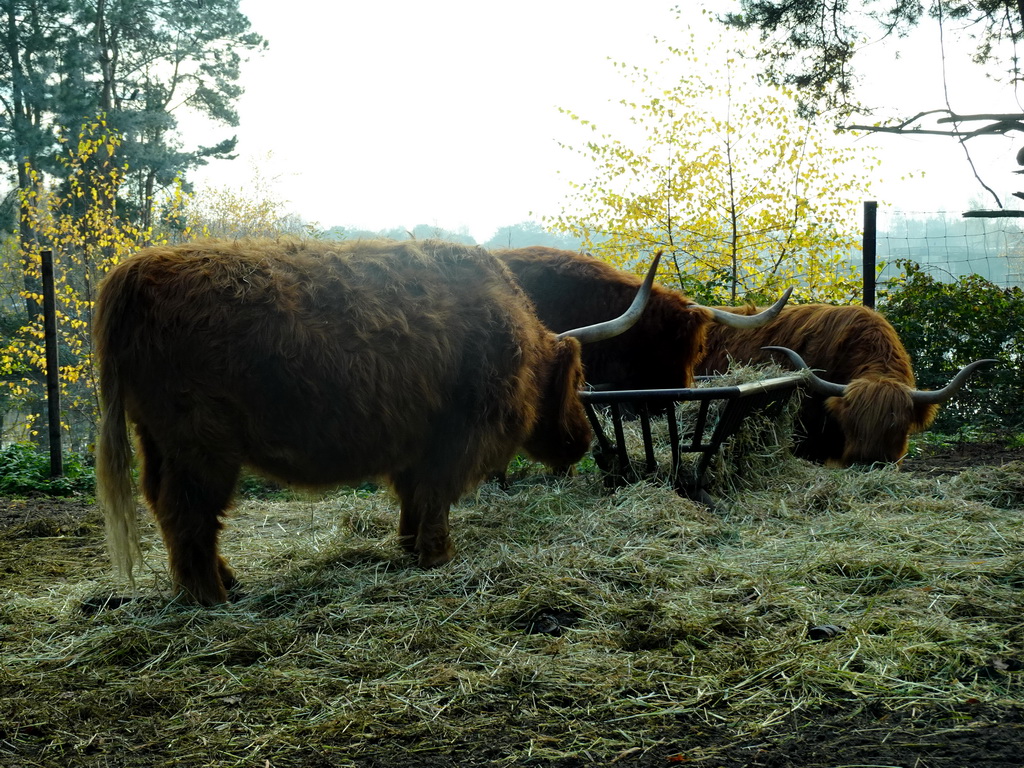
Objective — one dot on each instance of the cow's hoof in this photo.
(206, 595)
(434, 558)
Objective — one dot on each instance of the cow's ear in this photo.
(567, 374)
(924, 415)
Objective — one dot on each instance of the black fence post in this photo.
(869, 252)
(52, 365)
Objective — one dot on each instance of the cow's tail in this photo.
(115, 490)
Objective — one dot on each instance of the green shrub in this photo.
(944, 326)
(253, 486)
(24, 469)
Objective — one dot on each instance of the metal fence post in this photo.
(868, 251)
(52, 365)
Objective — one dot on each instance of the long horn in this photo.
(733, 320)
(819, 385)
(928, 397)
(621, 324)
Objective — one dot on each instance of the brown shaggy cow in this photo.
(661, 351)
(318, 363)
(866, 405)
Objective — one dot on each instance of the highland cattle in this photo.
(317, 364)
(864, 403)
(661, 351)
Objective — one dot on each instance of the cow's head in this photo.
(562, 434)
(877, 414)
(877, 417)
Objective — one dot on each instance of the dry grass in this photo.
(575, 622)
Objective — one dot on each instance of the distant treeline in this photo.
(520, 235)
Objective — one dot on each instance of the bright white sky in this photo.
(403, 112)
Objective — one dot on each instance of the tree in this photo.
(419, 232)
(35, 34)
(945, 324)
(811, 45)
(137, 63)
(151, 61)
(78, 220)
(253, 209)
(744, 197)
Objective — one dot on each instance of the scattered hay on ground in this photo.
(576, 626)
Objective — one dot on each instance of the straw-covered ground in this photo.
(816, 618)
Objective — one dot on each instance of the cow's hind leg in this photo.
(152, 460)
(188, 499)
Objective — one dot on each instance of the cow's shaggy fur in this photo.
(319, 363)
(572, 289)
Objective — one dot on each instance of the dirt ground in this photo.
(848, 733)
(956, 458)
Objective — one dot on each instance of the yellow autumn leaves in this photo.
(90, 222)
(83, 221)
(744, 196)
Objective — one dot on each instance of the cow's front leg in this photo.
(423, 525)
(408, 526)
(434, 541)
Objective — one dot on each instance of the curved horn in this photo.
(621, 324)
(733, 320)
(819, 385)
(928, 397)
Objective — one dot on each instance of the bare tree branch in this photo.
(1018, 116)
(999, 124)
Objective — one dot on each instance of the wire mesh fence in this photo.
(950, 246)
(946, 316)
